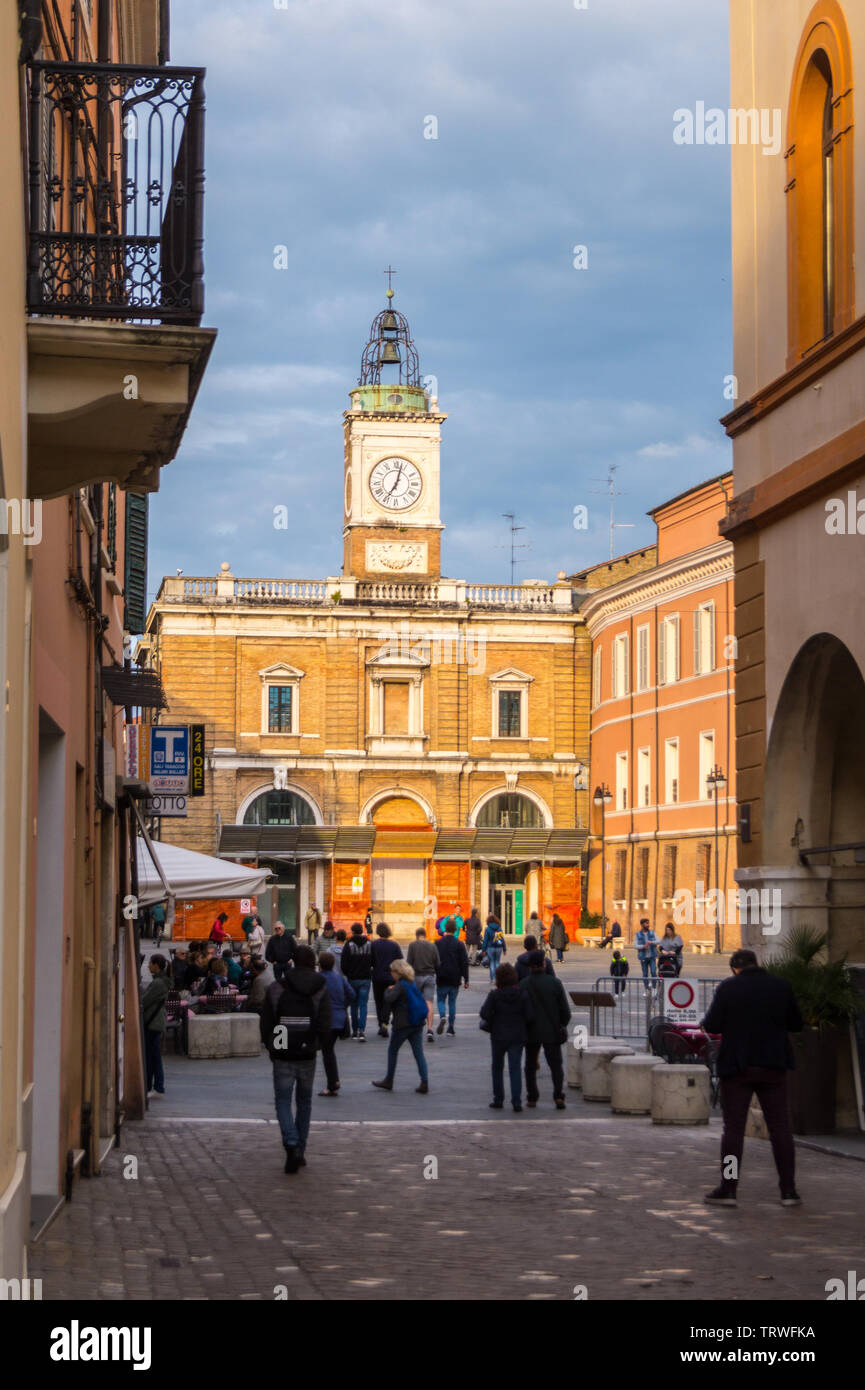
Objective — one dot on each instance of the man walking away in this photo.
(424, 960)
(384, 953)
(558, 937)
(280, 950)
(493, 944)
(312, 922)
(453, 966)
(548, 1029)
(646, 943)
(507, 1012)
(523, 962)
(295, 1022)
(474, 932)
(356, 966)
(341, 994)
(754, 1013)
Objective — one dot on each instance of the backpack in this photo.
(298, 1015)
(417, 1009)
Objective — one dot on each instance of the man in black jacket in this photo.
(295, 1021)
(280, 950)
(754, 1013)
(474, 932)
(356, 965)
(548, 1029)
(523, 967)
(453, 966)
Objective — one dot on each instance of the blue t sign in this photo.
(169, 759)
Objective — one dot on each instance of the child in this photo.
(619, 969)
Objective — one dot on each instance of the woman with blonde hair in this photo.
(408, 1009)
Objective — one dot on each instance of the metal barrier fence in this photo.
(631, 1009)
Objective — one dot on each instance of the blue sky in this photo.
(555, 129)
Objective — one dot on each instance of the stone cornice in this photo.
(677, 576)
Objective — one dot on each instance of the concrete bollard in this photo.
(596, 1070)
(631, 1085)
(245, 1035)
(210, 1035)
(575, 1059)
(680, 1094)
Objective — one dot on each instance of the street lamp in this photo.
(714, 783)
(602, 797)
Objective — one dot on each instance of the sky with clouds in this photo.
(555, 129)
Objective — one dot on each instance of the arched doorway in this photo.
(282, 807)
(814, 796)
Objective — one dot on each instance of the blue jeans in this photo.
(494, 955)
(514, 1054)
(645, 964)
(287, 1075)
(414, 1036)
(447, 994)
(359, 1005)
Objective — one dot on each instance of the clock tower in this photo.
(392, 440)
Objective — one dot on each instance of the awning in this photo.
(192, 875)
(293, 843)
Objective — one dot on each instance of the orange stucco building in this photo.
(661, 720)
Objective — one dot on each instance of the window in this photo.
(279, 709)
(279, 808)
(510, 811)
(395, 696)
(510, 714)
(135, 570)
(620, 665)
(596, 677)
(620, 875)
(644, 776)
(704, 639)
(668, 650)
(671, 770)
(642, 875)
(707, 762)
(704, 869)
(643, 657)
(280, 699)
(819, 184)
(669, 877)
(621, 781)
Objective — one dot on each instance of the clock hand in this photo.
(396, 479)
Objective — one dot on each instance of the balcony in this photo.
(115, 276)
(345, 591)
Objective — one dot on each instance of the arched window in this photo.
(820, 184)
(279, 808)
(510, 811)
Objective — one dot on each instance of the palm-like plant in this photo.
(824, 991)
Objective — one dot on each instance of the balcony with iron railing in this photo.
(115, 274)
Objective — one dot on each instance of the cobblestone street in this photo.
(524, 1206)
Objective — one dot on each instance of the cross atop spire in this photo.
(389, 272)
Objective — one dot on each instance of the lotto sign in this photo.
(680, 1001)
(164, 804)
(169, 759)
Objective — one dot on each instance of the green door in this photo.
(518, 911)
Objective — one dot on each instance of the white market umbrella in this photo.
(189, 874)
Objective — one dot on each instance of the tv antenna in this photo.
(610, 488)
(514, 546)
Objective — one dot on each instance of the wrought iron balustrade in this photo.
(116, 166)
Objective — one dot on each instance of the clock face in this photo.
(395, 483)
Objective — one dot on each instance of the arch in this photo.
(524, 792)
(819, 188)
(301, 792)
(395, 794)
(814, 784)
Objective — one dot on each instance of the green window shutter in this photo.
(135, 576)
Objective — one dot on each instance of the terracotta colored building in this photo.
(662, 708)
(389, 738)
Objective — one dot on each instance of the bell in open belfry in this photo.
(389, 353)
(389, 323)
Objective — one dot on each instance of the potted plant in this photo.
(828, 1000)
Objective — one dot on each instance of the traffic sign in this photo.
(681, 1001)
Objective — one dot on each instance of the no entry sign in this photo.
(681, 1001)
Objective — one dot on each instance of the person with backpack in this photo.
(356, 965)
(506, 1014)
(619, 969)
(453, 966)
(548, 1029)
(407, 1006)
(424, 961)
(341, 994)
(384, 953)
(493, 945)
(296, 1021)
